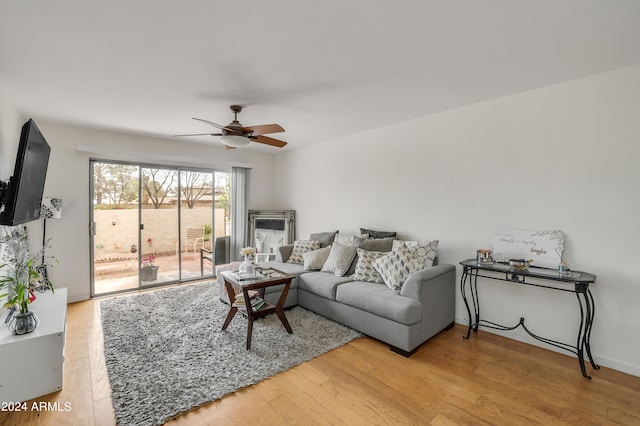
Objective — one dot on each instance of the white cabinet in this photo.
(31, 364)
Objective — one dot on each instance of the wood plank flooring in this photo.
(449, 381)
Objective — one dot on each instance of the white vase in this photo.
(247, 267)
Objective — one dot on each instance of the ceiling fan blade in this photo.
(213, 124)
(268, 141)
(229, 147)
(263, 129)
(199, 134)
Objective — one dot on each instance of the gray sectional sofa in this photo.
(403, 318)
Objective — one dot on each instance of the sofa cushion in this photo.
(380, 300)
(300, 247)
(364, 267)
(340, 259)
(395, 266)
(314, 260)
(324, 238)
(288, 268)
(424, 251)
(321, 283)
(377, 244)
(378, 234)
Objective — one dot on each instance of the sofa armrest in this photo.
(440, 276)
(283, 253)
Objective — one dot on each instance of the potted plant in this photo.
(207, 232)
(22, 275)
(148, 271)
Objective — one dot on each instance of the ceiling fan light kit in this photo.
(234, 135)
(235, 141)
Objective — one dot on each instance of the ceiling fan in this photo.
(235, 135)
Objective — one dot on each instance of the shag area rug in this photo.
(165, 351)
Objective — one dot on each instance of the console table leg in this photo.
(583, 331)
(463, 291)
(591, 312)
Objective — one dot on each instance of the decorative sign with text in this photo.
(543, 248)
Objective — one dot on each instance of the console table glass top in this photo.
(532, 271)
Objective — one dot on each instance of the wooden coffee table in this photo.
(234, 286)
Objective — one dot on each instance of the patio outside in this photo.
(166, 229)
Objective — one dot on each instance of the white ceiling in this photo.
(321, 69)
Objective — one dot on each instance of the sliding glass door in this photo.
(159, 226)
(154, 225)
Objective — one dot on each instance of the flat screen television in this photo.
(23, 195)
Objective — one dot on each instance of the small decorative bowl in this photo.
(519, 263)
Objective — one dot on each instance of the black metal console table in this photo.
(472, 269)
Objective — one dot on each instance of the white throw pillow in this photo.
(340, 259)
(314, 260)
(300, 247)
(394, 267)
(364, 267)
(424, 251)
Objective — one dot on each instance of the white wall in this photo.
(9, 132)
(68, 178)
(562, 157)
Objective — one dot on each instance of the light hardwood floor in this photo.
(449, 381)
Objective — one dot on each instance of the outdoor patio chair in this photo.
(219, 256)
(193, 236)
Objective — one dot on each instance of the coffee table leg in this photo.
(249, 331)
(283, 320)
(279, 307)
(230, 315)
(233, 310)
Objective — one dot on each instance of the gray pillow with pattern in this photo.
(396, 266)
(364, 267)
(424, 251)
(300, 247)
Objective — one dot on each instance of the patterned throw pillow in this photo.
(395, 266)
(353, 240)
(424, 251)
(301, 247)
(364, 267)
(313, 260)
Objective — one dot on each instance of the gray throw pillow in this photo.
(378, 234)
(325, 238)
(340, 259)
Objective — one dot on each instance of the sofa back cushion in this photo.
(324, 238)
(377, 244)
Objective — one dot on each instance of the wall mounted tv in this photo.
(23, 193)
